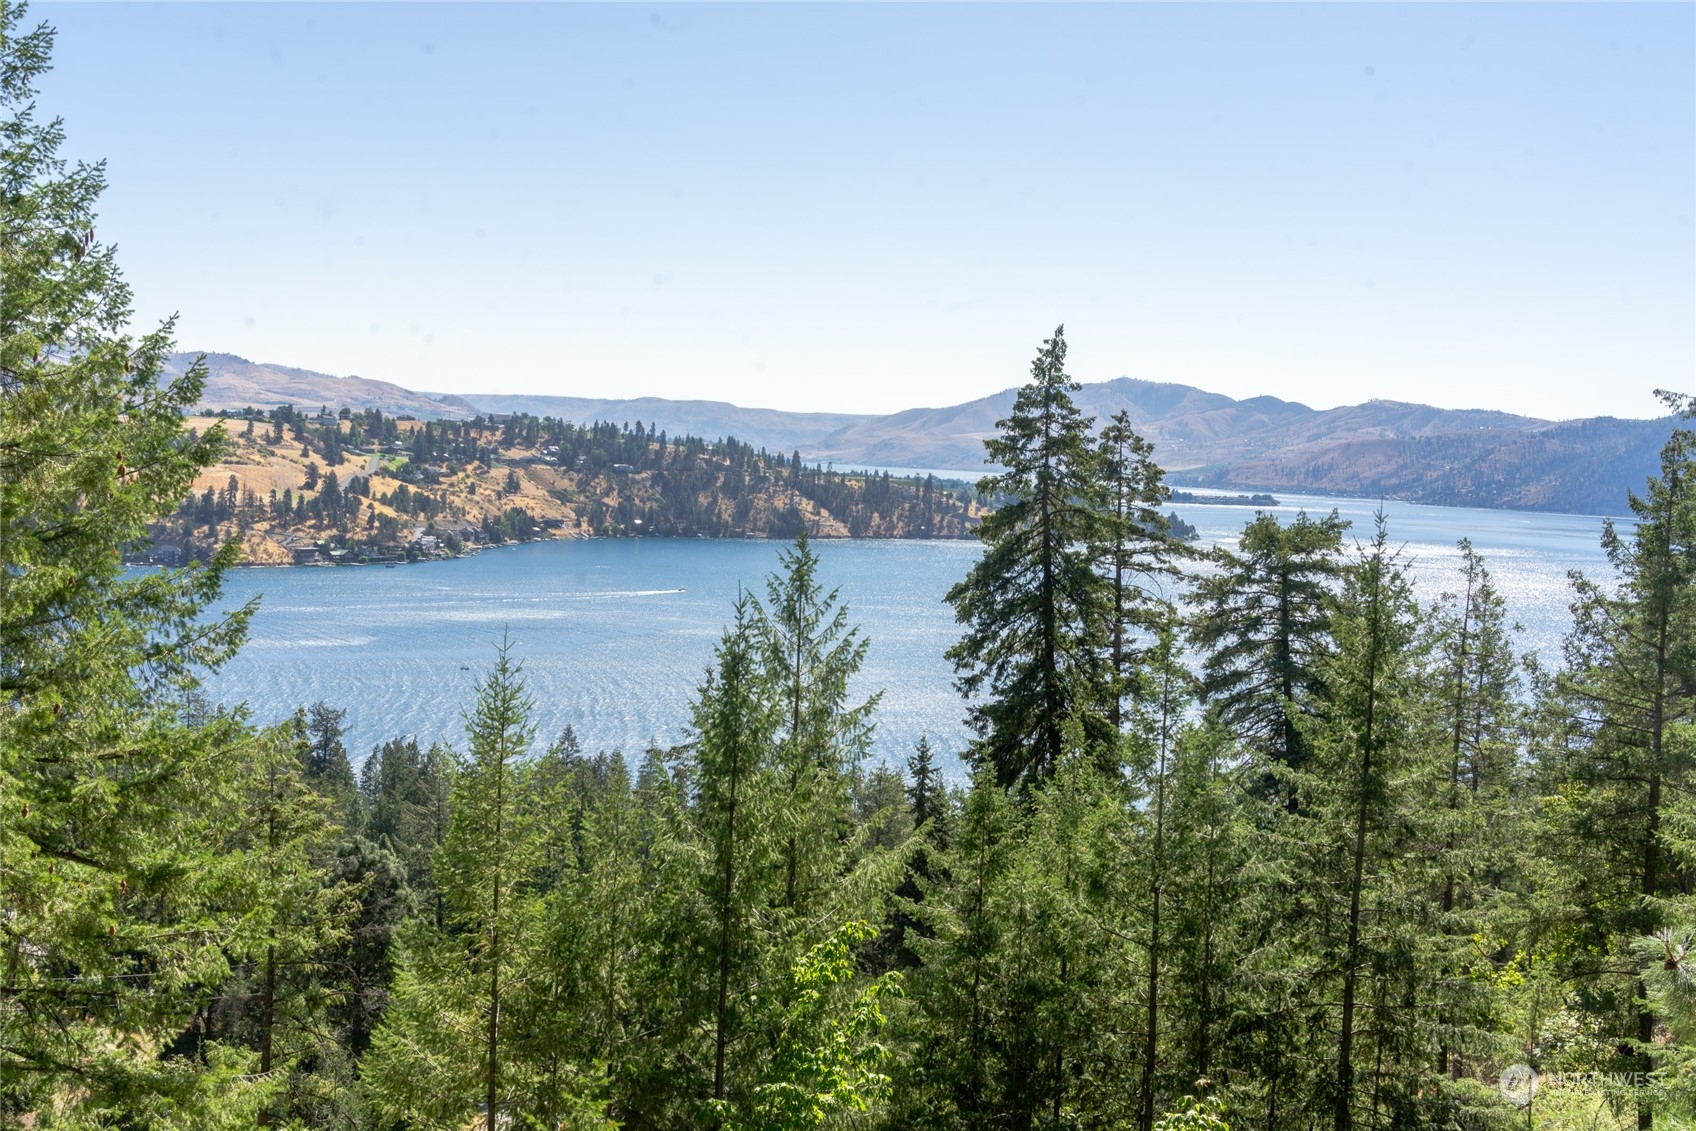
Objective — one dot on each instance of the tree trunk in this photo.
(270, 1022)
(1050, 646)
(1651, 855)
(1456, 741)
(721, 1034)
(1151, 1036)
(492, 1075)
(1118, 609)
(270, 1001)
(1060, 1054)
(1343, 1116)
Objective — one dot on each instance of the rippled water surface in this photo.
(616, 634)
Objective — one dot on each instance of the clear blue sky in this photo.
(866, 208)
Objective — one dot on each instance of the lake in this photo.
(615, 634)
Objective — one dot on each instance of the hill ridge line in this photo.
(1398, 449)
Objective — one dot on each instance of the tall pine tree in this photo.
(1034, 605)
(1140, 556)
(1629, 693)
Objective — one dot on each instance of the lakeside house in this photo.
(167, 553)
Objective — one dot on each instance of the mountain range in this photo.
(1381, 448)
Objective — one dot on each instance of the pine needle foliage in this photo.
(117, 786)
(1034, 606)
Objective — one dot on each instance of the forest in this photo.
(1247, 839)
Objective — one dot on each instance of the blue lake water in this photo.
(615, 634)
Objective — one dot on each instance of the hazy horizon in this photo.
(706, 396)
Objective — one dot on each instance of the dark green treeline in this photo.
(1251, 838)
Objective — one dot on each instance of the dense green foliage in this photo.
(1035, 607)
(1260, 844)
(1362, 862)
(133, 881)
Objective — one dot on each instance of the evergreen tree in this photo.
(361, 966)
(326, 762)
(404, 794)
(928, 809)
(1160, 727)
(1262, 626)
(1629, 693)
(1371, 776)
(659, 1076)
(118, 790)
(1480, 824)
(925, 789)
(735, 731)
(576, 1004)
(443, 1046)
(1140, 554)
(1060, 983)
(297, 913)
(1214, 1026)
(809, 655)
(954, 1077)
(1034, 607)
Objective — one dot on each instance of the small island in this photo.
(1190, 498)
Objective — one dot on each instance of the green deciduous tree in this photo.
(825, 1065)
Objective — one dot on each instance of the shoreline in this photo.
(473, 551)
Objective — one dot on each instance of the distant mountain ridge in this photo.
(1395, 449)
(235, 382)
(764, 427)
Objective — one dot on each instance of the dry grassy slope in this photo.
(546, 491)
(263, 467)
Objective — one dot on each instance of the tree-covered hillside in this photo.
(346, 486)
